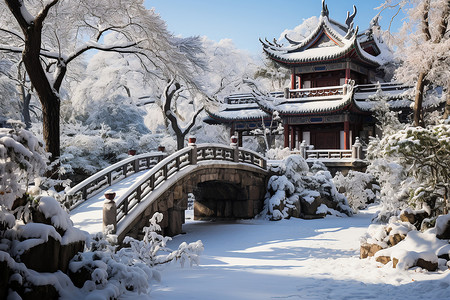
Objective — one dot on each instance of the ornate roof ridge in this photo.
(325, 24)
(343, 50)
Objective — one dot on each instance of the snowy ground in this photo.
(290, 259)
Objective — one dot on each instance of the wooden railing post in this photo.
(136, 165)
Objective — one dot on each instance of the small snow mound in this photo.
(52, 210)
(442, 222)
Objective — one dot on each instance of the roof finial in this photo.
(374, 21)
(349, 20)
(325, 11)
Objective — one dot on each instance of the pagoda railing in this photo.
(356, 153)
(315, 92)
(110, 175)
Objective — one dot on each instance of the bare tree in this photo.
(171, 93)
(424, 45)
(50, 35)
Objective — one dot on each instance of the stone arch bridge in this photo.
(228, 183)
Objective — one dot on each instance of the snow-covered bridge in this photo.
(228, 182)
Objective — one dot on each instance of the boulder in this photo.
(295, 211)
(443, 230)
(4, 279)
(369, 250)
(394, 239)
(67, 252)
(47, 292)
(428, 265)
(43, 257)
(383, 259)
(82, 275)
(308, 210)
(394, 262)
(414, 217)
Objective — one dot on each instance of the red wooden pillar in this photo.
(240, 138)
(293, 81)
(346, 132)
(299, 81)
(300, 135)
(292, 137)
(347, 72)
(286, 135)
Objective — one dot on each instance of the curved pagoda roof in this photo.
(330, 41)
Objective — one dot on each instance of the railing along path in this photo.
(110, 175)
(179, 160)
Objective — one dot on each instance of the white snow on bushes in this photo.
(416, 245)
(441, 223)
(52, 210)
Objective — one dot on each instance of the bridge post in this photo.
(109, 211)
(234, 144)
(192, 144)
(136, 165)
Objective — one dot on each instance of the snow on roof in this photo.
(311, 105)
(342, 40)
(395, 93)
(249, 107)
(246, 113)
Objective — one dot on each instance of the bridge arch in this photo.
(248, 184)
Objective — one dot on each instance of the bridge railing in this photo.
(110, 175)
(191, 155)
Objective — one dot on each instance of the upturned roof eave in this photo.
(224, 119)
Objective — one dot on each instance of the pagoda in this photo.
(335, 78)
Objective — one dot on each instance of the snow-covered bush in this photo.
(91, 150)
(300, 193)
(358, 187)
(412, 168)
(278, 153)
(113, 273)
(42, 243)
(22, 159)
(149, 249)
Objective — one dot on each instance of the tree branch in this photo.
(442, 27)
(39, 20)
(16, 34)
(187, 129)
(425, 23)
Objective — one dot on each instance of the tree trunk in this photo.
(180, 141)
(418, 111)
(31, 58)
(49, 99)
(25, 107)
